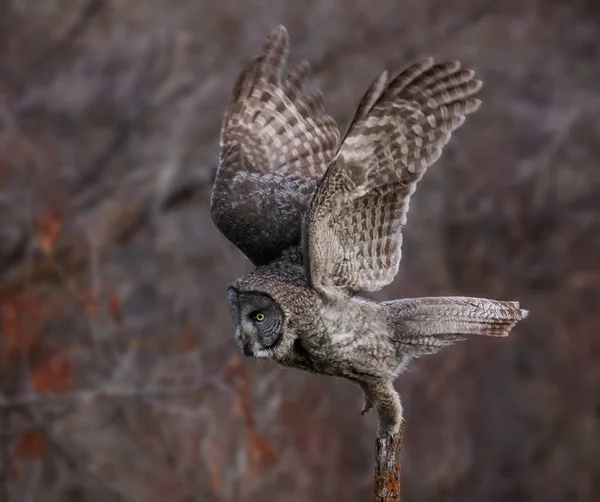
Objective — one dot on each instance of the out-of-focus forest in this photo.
(119, 376)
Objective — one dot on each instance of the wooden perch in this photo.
(387, 467)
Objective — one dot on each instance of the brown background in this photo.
(109, 118)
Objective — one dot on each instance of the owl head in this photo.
(269, 306)
(259, 322)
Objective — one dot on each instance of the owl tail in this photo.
(427, 324)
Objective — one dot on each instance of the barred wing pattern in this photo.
(353, 239)
(276, 143)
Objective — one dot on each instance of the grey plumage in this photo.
(276, 143)
(363, 199)
(322, 221)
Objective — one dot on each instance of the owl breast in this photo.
(351, 342)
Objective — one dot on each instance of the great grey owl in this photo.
(321, 219)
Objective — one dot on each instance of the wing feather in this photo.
(353, 230)
(370, 97)
(276, 143)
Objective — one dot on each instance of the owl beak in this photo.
(246, 344)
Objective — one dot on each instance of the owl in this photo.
(321, 218)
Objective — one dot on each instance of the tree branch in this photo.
(88, 13)
(387, 467)
(112, 392)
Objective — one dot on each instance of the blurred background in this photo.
(119, 376)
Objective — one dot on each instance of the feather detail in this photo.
(424, 325)
(353, 232)
(276, 143)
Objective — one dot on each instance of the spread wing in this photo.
(353, 230)
(276, 143)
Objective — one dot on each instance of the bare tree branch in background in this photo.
(87, 14)
(374, 39)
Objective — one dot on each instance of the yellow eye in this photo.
(259, 316)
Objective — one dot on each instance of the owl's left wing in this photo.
(276, 143)
(353, 230)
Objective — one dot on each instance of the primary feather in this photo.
(353, 233)
(276, 143)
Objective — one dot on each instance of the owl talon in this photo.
(367, 406)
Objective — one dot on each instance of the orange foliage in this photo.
(188, 336)
(54, 377)
(114, 307)
(16, 322)
(92, 302)
(240, 405)
(235, 368)
(169, 489)
(216, 468)
(188, 340)
(89, 304)
(48, 230)
(31, 445)
(260, 451)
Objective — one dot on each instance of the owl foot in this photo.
(367, 406)
(383, 396)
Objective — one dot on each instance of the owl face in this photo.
(259, 322)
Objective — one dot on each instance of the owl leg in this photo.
(382, 395)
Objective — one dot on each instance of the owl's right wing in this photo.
(353, 230)
(276, 143)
